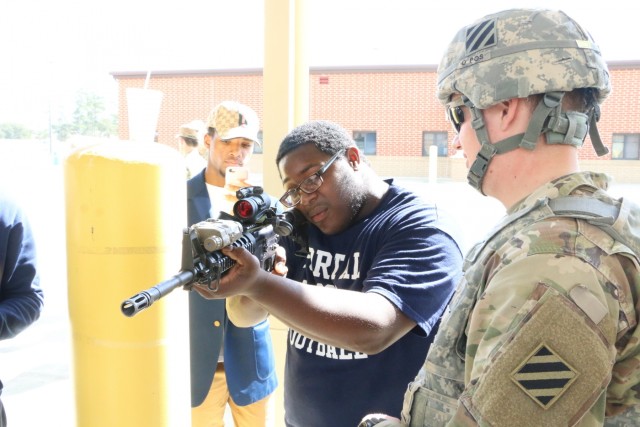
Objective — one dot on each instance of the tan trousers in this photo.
(211, 412)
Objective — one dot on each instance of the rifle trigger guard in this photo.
(216, 280)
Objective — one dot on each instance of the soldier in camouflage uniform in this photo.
(543, 331)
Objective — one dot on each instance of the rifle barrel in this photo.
(132, 306)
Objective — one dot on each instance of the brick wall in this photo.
(398, 106)
(621, 110)
(398, 103)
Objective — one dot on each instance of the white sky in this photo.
(53, 48)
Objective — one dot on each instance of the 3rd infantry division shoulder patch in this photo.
(544, 376)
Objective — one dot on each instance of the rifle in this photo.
(255, 225)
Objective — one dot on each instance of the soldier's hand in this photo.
(380, 420)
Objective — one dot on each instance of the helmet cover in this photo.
(521, 52)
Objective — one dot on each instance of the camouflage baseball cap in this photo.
(191, 130)
(232, 119)
(520, 52)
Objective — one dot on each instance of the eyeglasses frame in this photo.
(318, 173)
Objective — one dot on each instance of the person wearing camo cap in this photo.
(189, 146)
(543, 330)
(230, 366)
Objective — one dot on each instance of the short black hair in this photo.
(327, 136)
(582, 100)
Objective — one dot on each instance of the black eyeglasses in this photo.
(310, 184)
(455, 115)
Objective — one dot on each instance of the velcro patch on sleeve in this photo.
(544, 376)
(550, 371)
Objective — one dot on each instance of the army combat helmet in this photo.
(517, 53)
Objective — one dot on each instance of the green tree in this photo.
(14, 131)
(89, 118)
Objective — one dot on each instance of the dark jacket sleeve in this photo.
(21, 297)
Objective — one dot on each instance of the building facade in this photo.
(391, 111)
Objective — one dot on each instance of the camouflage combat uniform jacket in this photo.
(543, 331)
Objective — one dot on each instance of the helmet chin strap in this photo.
(568, 128)
(480, 165)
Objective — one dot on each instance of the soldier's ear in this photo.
(353, 157)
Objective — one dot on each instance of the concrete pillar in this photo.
(125, 210)
(286, 105)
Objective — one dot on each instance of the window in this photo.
(366, 142)
(257, 148)
(625, 146)
(439, 139)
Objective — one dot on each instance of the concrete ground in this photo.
(36, 366)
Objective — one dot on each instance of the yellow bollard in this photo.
(125, 210)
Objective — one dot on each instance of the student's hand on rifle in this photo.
(239, 280)
(280, 262)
